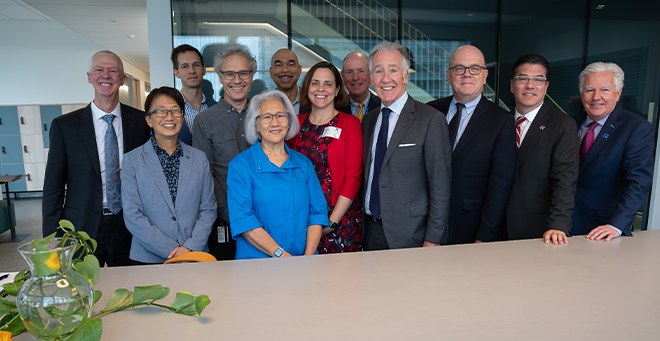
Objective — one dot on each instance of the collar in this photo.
(98, 113)
(186, 101)
(530, 115)
(161, 152)
(600, 122)
(398, 105)
(469, 106)
(365, 102)
(263, 164)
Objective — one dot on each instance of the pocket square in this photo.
(403, 145)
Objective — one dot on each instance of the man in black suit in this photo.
(356, 75)
(483, 163)
(79, 169)
(285, 72)
(547, 168)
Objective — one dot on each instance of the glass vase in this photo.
(54, 300)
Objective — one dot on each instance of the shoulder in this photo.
(441, 104)
(210, 112)
(495, 111)
(74, 115)
(127, 109)
(421, 109)
(136, 152)
(628, 117)
(347, 120)
(189, 150)
(300, 159)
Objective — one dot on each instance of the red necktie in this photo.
(587, 141)
(519, 123)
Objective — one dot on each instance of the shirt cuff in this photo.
(616, 229)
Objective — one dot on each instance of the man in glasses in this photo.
(484, 151)
(544, 189)
(220, 133)
(285, 72)
(82, 182)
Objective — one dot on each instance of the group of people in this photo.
(330, 167)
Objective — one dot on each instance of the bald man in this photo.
(483, 138)
(285, 72)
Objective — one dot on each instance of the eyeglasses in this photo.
(526, 79)
(230, 75)
(460, 69)
(162, 113)
(282, 117)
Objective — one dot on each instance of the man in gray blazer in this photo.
(543, 191)
(407, 158)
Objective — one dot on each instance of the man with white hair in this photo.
(356, 76)
(616, 157)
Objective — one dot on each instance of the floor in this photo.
(28, 220)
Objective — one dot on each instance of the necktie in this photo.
(454, 123)
(381, 148)
(519, 129)
(587, 141)
(360, 113)
(112, 180)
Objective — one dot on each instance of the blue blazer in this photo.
(616, 174)
(158, 227)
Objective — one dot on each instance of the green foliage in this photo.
(152, 292)
(88, 330)
(121, 298)
(88, 268)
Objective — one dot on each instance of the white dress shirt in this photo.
(100, 127)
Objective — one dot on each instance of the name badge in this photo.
(333, 132)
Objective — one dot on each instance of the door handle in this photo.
(28, 177)
(45, 127)
(22, 120)
(3, 150)
(25, 149)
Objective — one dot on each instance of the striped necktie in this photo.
(519, 123)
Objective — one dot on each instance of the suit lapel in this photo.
(476, 121)
(369, 122)
(405, 120)
(88, 136)
(185, 169)
(606, 132)
(536, 129)
(128, 127)
(156, 170)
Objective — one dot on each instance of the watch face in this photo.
(278, 253)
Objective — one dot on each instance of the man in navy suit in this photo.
(356, 75)
(484, 151)
(616, 157)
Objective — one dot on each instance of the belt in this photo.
(106, 211)
(376, 220)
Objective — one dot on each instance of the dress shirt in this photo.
(296, 104)
(528, 122)
(190, 112)
(284, 201)
(465, 118)
(100, 127)
(355, 108)
(171, 165)
(396, 108)
(584, 127)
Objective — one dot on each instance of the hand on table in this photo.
(178, 251)
(429, 244)
(555, 237)
(603, 231)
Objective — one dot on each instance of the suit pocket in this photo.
(472, 205)
(419, 210)
(604, 211)
(69, 213)
(540, 208)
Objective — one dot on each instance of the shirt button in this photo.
(173, 218)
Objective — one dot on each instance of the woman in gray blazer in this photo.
(167, 190)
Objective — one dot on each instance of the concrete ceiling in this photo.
(116, 25)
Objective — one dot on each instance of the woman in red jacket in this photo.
(333, 141)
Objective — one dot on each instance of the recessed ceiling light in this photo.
(600, 6)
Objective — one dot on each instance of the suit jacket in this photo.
(374, 103)
(547, 169)
(616, 174)
(483, 167)
(158, 226)
(415, 178)
(73, 161)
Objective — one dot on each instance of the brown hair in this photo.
(181, 49)
(342, 96)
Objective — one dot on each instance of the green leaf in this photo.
(120, 298)
(89, 268)
(201, 302)
(45, 263)
(12, 323)
(88, 330)
(97, 295)
(86, 237)
(66, 225)
(20, 277)
(11, 289)
(152, 292)
(184, 303)
(44, 242)
(6, 305)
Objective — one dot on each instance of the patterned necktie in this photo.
(112, 180)
(587, 141)
(381, 149)
(454, 123)
(519, 129)
(360, 113)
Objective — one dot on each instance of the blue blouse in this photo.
(284, 201)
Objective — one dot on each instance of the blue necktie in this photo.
(381, 149)
(112, 179)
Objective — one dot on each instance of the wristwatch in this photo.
(332, 225)
(278, 253)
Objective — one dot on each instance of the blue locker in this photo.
(48, 113)
(9, 121)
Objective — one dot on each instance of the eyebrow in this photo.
(281, 61)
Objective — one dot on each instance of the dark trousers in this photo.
(222, 251)
(374, 236)
(113, 241)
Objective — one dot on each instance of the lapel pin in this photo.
(187, 157)
(542, 127)
(606, 135)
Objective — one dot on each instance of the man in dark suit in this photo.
(616, 157)
(544, 188)
(285, 72)
(407, 161)
(483, 162)
(82, 174)
(356, 75)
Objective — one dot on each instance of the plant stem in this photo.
(133, 306)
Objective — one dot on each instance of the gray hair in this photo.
(388, 46)
(91, 60)
(598, 67)
(254, 109)
(235, 49)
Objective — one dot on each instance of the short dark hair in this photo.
(164, 91)
(531, 59)
(181, 49)
(342, 96)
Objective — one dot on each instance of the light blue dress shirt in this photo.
(355, 108)
(283, 201)
(465, 119)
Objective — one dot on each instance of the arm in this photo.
(202, 141)
(563, 178)
(342, 206)
(54, 181)
(318, 210)
(260, 239)
(207, 212)
(437, 160)
(313, 238)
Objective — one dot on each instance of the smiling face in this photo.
(106, 75)
(356, 76)
(528, 95)
(388, 78)
(285, 70)
(275, 131)
(322, 88)
(467, 86)
(190, 71)
(599, 95)
(168, 126)
(237, 89)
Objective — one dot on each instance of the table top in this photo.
(10, 178)
(517, 290)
